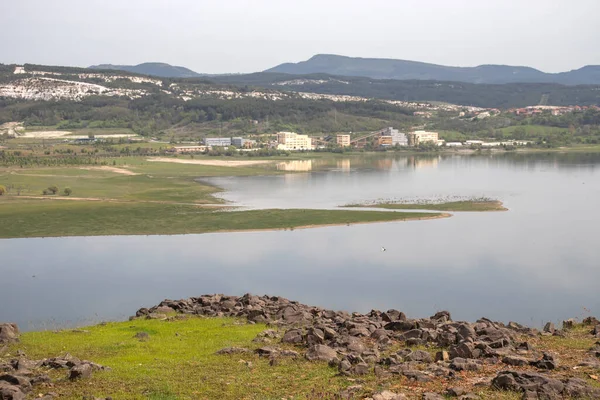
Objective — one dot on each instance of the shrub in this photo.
(2, 190)
(52, 189)
(67, 191)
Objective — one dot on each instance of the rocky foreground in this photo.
(433, 357)
(390, 343)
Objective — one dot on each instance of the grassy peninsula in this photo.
(137, 196)
(458, 206)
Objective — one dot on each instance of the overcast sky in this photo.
(223, 36)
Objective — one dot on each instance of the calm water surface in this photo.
(537, 262)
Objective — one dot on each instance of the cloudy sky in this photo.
(223, 36)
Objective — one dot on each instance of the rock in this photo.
(592, 321)
(549, 327)
(293, 336)
(349, 392)
(461, 364)
(577, 388)
(420, 356)
(441, 317)
(417, 375)
(267, 351)
(321, 352)
(16, 380)
(233, 350)
(568, 324)
(401, 326)
(516, 361)
(469, 396)
(387, 395)
(11, 392)
(547, 362)
(462, 350)
(465, 332)
(80, 371)
(360, 369)
(393, 315)
(456, 391)
(432, 396)
(528, 382)
(9, 333)
(345, 367)
(442, 356)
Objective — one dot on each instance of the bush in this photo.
(67, 191)
(52, 189)
(2, 190)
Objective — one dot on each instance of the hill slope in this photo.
(152, 68)
(379, 68)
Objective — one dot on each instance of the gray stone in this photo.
(142, 336)
(11, 392)
(9, 333)
(16, 380)
(462, 350)
(387, 395)
(461, 364)
(549, 327)
(420, 356)
(516, 361)
(456, 391)
(547, 362)
(293, 336)
(321, 352)
(432, 396)
(233, 350)
(442, 356)
(393, 315)
(465, 332)
(80, 371)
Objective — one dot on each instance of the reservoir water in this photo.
(537, 262)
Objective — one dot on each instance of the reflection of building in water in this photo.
(296, 165)
(384, 163)
(344, 164)
(420, 162)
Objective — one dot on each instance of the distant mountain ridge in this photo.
(162, 70)
(380, 68)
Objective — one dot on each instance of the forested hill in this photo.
(151, 68)
(379, 68)
(480, 95)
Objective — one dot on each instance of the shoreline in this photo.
(315, 352)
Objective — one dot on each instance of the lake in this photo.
(537, 262)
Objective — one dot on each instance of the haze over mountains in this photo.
(379, 68)
(162, 70)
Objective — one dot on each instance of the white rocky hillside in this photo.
(49, 85)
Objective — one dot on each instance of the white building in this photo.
(398, 138)
(293, 141)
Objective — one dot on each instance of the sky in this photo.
(231, 36)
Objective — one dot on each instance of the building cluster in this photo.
(291, 141)
(239, 142)
(554, 110)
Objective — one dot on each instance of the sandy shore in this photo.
(116, 170)
(215, 163)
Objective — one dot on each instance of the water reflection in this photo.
(535, 263)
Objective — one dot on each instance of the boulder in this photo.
(516, 361)
(293, 336)
(387, 395)
(420, 356)
(321, 352)
(549, 327)
(393, 315)
(441, 317)
(462, 350)
(16, 380)
(461, 364)
(547, 362)
(432, 396)
(11, 392)
(9, 333)
(80, 371)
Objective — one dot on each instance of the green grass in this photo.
(177, 362)
(468, 205)
(46, 218)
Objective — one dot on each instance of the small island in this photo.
(459, 206)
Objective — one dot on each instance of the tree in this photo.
(52, 189)
(67, 191)
(2, 190)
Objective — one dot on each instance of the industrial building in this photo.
(417, 137)
(397, 138)
(218, 142)
(343, 140)
(242, 143)
(293, 141)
